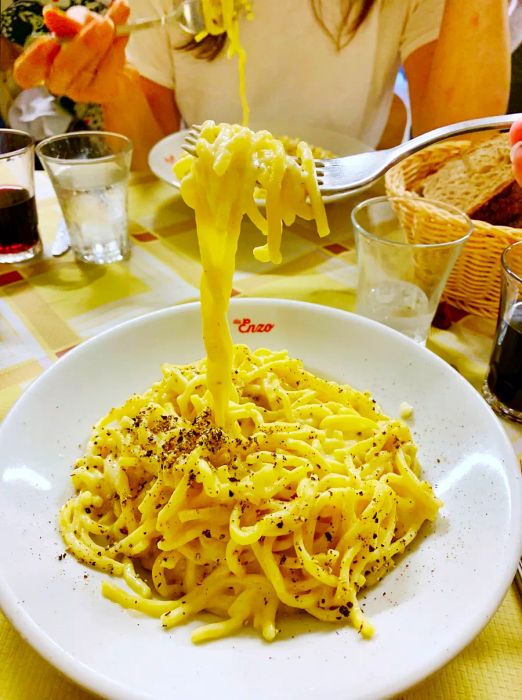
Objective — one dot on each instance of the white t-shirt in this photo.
(297, 82)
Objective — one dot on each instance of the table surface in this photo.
(50, 305)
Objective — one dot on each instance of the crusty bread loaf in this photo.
(480, 182)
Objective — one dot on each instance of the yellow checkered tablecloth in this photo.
(49, 306)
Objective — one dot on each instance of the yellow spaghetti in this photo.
(243, 485)
(290, 145)
(219, 183)
(221, 17)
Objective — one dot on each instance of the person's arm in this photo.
(466, 72)
(144, 111)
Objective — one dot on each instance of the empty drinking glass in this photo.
(90, 171)
(406, 249)
(503, 386)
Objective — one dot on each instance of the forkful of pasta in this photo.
(349, 173)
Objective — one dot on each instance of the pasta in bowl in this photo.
(421, 611)
(306, 498)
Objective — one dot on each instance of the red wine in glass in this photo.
(505, 373)
(18, 220)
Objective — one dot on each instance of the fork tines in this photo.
(189, 145)
(319, 166)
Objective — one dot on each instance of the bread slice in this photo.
(480, 183)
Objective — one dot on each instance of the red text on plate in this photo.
(245, 325)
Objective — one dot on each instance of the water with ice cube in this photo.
(400, 305)
(94, 203)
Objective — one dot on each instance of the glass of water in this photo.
(89, 171)
(406, 249)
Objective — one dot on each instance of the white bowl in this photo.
(425, 611)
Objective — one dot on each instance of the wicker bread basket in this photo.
(474, 284)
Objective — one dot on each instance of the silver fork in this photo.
(191, 137)
(352, 172)
(188, 14)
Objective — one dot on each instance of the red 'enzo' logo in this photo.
(245, 325)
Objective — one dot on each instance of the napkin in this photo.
(38, 113)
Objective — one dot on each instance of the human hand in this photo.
(516, 150)
(83, 60)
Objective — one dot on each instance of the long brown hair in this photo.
(339, 19)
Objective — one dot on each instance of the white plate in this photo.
(435, 601)
(166, 152)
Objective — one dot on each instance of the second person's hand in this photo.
(516, 151)
(83, 60)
